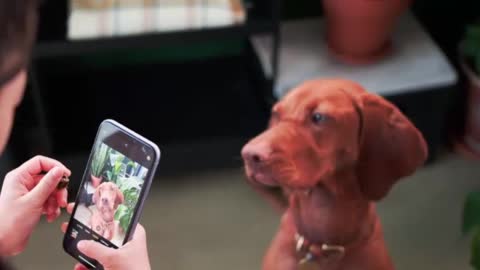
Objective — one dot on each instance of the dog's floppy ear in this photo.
(391, 147)
(96, 195)
(119, 199)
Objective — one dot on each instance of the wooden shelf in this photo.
(50, 49)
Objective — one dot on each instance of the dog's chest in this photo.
(312, 209)
(100, 228)
(99, 225)
(319, 217)
(309, 265)
(322, 263)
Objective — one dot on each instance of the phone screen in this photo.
(111, 191)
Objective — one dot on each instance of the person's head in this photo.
(18, 20)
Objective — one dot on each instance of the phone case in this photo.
(145, 189)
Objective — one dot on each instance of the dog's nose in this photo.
(104, 200)
(256, 153)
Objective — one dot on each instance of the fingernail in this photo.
(82, 244)
(56, 170)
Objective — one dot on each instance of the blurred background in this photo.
(198, 77)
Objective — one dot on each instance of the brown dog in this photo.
(106, 198)
(334, 150)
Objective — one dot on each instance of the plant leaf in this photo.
(109, 175)
(473, 31)
(475, 255)
(124, 221)
(121, 211)
(471, 43)
(99, 160)
(471, 47)
(471, 212)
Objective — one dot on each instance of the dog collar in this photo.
(104, 226)
(312, 252)
(109, 222)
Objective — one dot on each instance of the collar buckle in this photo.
(324, 250)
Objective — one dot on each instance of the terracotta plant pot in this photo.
(96, 181)
(470, 144)
(358, 31)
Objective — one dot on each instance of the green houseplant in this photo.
(470, 63)
(130, 187)
(470, 47)
(471, 224)
(98, 164)
(118, 165)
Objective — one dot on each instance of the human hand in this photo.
(26, 195)
(133, 255)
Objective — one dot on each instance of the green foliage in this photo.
(475, 256)
(471, 223)
(471, 46)
(99, 160)
(130, 188)
(123, 215)
(115, 166)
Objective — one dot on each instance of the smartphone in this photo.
(114, 187)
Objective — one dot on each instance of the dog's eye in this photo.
(318, 118)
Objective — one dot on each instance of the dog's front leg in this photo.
(281, 253)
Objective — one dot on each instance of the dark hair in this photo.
(4, 266)
(18, 24)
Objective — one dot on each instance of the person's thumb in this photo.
(80, 266)
(46, 186)
(140, 234)
(96, 251)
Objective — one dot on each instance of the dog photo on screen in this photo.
(110, 193)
